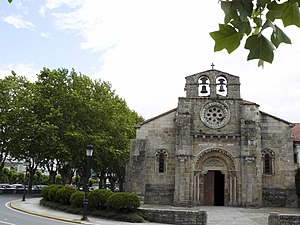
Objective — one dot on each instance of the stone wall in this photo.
(286, 219)
(273, 197)
(176, 216)
(142, 174)
(159, 194)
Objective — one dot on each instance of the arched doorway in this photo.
(214, 187)
(214, 181)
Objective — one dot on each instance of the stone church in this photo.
(214, 149)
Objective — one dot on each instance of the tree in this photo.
(10, 89)
(251, 18)
(50, 122)
(31, 132)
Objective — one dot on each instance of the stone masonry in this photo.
(213, 149)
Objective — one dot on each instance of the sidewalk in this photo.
(32, 206)
(221, 215)
(217, 215)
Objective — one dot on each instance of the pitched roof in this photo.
(277, 118)
(245, 102)
(296, 132)
(154, 118)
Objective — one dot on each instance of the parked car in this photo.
(7, 188)
(19, 188)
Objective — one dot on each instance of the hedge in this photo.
(98, 198)
(45, 192)
(49, 192)
(123, 202)
(63, 195)
(76, 199)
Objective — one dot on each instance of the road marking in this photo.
(6, 223)
(37, 215)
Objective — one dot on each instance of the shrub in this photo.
(52, 192)
(77, 199)
(45, 191)
(98, 198)
(123, 202)
(63, 195)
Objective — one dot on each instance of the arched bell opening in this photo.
(204, 86)
(221, 82)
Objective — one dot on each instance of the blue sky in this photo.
(145, 49)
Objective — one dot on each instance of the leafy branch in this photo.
(248, 18)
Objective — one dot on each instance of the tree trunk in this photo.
(102, 183)
(52, 175)
(121, 183)
(112, 183)
(30, 175)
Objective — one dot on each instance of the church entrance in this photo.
(214, 180)
(214, 188)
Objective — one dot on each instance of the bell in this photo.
(203, 90)
(221, 85)
(221, 88)
(203, 80)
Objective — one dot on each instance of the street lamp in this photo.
(26, 164)
(89, 153)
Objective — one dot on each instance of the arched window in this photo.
(268, 161)
(268, 164)
(161, 162)
(204, 86)
(221, 86)
(161, 156)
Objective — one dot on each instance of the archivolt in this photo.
(215, 153)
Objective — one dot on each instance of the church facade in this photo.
(213, 149)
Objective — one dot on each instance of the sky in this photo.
(144, 48)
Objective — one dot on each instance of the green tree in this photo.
(248, 18)
(50, 122)
(11, 87)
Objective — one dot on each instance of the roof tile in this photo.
(296, 132)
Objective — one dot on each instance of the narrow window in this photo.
(161, 163)
(268, 157)
(268, 164)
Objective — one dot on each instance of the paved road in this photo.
(9, 216)
(32, 206)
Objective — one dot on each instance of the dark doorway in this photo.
(219, 189)
(214, 188)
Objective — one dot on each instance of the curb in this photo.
(12, 205)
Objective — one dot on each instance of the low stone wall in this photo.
(176, 216)
(286, 219)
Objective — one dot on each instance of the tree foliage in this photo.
(250, 19)
(50, 122)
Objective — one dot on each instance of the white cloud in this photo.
(27, 70)
(150, 46)
(46, 35)
(54, 4)
(18, 22)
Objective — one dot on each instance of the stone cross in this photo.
(212, 66)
